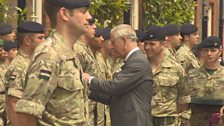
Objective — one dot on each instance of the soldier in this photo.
(173, 40)
(207, 83)
(86, 48)
(187, 59)
(170, 90)
(53, 89)
(10, 48)
(185, 55)
(8, 55)
(6, 32)
(29, 35)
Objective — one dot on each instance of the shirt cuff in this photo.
(30, 107)
(90, 79)
(184, 100)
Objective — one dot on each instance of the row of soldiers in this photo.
(184, 73)
(188, 77)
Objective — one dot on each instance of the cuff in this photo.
(15, 93)
(30, 107)
(184, 100)
(90, 79)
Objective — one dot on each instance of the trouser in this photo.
(185, 118)
(165, 121)
(201, 114)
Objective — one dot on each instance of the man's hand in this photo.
(86, 77)
(222, 110)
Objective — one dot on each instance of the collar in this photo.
(131, 52)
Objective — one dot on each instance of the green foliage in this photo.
(4, 9)
(162, 12)
(6, 16)
(108, 12)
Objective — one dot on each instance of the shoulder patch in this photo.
(12, 77)
(45, 74)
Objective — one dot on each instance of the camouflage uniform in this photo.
(114, 66)
(170, 88)
(53, 89)
(188, 60)
(15, 75)
(90, 65)
(171, 54)
(104, 69)
(3, 69)
(207, 94)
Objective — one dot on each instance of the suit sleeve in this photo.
(99, 97)
(128, 78)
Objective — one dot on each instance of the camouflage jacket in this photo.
(170, 88)
(16, 73)
(206, 88)
(186, 58)
(53, 89)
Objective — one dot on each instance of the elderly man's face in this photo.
(117, 47)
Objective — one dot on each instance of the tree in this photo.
(162, 12)
(109, 12)
(11, 14)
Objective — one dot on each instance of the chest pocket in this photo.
(68, 96)
(219, 88)
(166, 87)
(70, 76)
(197, 84)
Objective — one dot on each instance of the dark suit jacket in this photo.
(128, 94)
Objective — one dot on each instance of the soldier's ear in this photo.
(27, 40)
(63, 14)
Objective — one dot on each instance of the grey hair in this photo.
(124, 30)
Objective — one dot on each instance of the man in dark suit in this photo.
(129, 93)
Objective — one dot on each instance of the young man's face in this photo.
(9, 37)
(153, 48)
(2, 54)
(174, 40)
(211, 55)
(91, 30)
(194, 38)
(11, 53)
(78, 20)
(36, 40)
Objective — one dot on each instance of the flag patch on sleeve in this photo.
(45, 74)
(12, 77)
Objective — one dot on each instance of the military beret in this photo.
(30, 27)
(9, 45)
(1, 43)
(140, 35)
(70, 3)
(211, 42)
(99, 31)
(155, 33)
(172, 29)
(188, 29)
(5, 28)
(106, 33)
